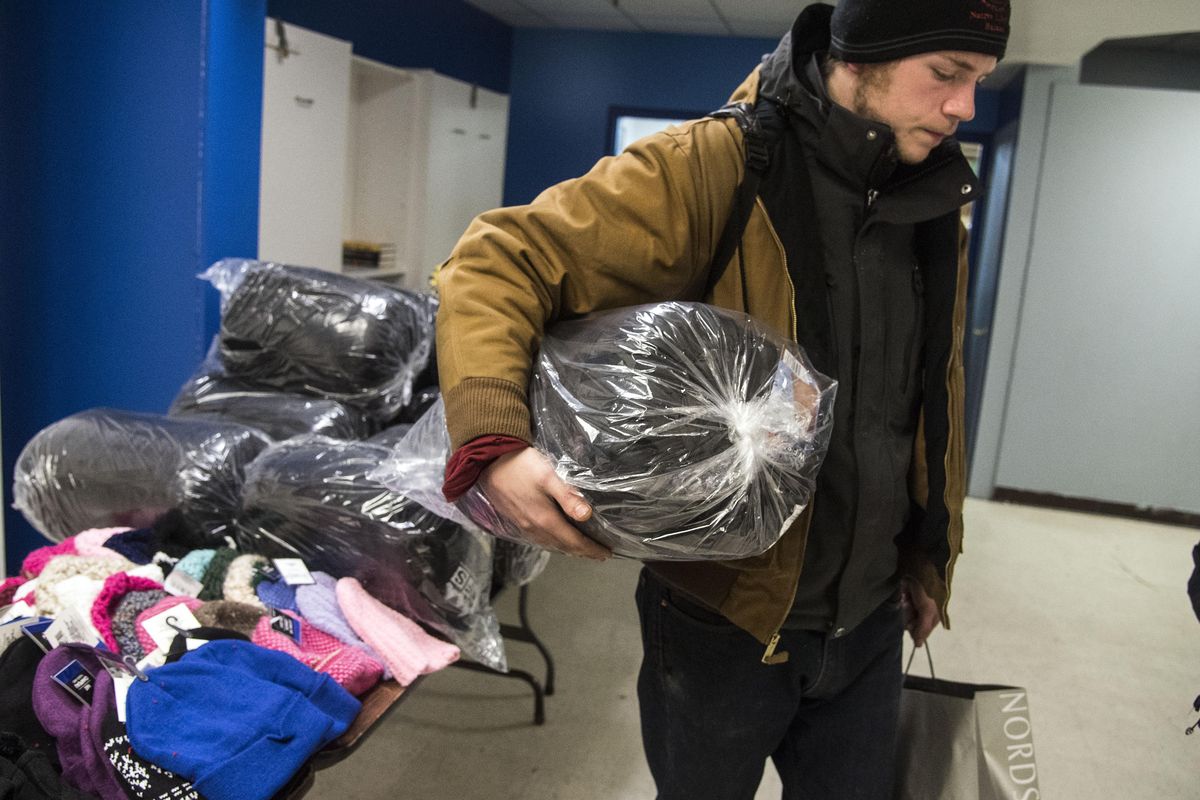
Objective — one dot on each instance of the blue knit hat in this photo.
(277, 594)
(195, 563)
(276, 713)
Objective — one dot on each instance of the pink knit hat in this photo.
(144, 638)
(36, 561)
(404, 645)
(116, 588)
(91, 542)
(8, 589)
(353, 669)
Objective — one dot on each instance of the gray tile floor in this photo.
(1089, 613)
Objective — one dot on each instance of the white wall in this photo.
(1105, 381)
(1061, 31)
(1018, 232)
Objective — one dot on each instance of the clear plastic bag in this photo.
(109, 468)
(314, 498)
(306, 330)
(212, 394)
(416, 467)
(694, 432)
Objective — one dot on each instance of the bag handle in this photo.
(928, 655)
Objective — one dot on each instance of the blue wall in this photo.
(564, 84)
(129, 137)
(447, 36)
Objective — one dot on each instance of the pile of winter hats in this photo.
(310, 382)
(241, 675)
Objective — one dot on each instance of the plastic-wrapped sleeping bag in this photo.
(312, 497)
(391, 436)
(416, 466)
(104, 468)
(280, 415)
(316, 332)
(694, 432)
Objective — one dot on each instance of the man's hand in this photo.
(921, 614)
(524, 489)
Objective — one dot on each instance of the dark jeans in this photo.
(712, 712)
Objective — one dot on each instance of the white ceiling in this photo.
(765, 18)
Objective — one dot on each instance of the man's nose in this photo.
(961, 104)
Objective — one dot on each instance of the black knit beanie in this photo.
(870, 31)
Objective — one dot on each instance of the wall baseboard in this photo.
(1166, 516)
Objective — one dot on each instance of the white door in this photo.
(306, 98)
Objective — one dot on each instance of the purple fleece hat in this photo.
(70, 722)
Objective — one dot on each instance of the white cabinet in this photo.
(306, 103)
(418, 154)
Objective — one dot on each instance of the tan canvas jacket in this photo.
(640, 228)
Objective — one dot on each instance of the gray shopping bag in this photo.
(964, 741)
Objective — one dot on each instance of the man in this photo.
(854, 250)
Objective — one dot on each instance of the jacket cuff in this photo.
(920, 569)
(481, 406)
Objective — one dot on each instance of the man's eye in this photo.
(943, 76)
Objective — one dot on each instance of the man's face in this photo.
(922, 98)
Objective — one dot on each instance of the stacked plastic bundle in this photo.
(315, 498)
(104, 467)
(308, 331)
(695, 433)
(213, 395)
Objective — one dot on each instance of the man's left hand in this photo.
(921, 614)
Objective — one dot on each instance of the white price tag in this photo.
(16, 611)
(180, 584)
(70, 626)
(121, 684)
(161, 631)
(294, 572)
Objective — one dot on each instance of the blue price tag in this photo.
(78, 681)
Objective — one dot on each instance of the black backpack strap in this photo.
(762, 125)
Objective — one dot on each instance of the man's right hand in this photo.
(523, 488)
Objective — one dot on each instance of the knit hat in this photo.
(214, 576)
(870, 31)
(276, 713)
(91, 542)
(317, 603)
(69, 721)
(277, 594)
(33, 563)
(353, 669)
(137, 545)
(137, 777)
(229, 614)
(29, 773)
(241, 578)
(115, 611)
(18, 667)
(101, 760)
(52, 581)
(175, 537)
(8, 589)
(404, 645)
(195, 563)
(143, 636)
